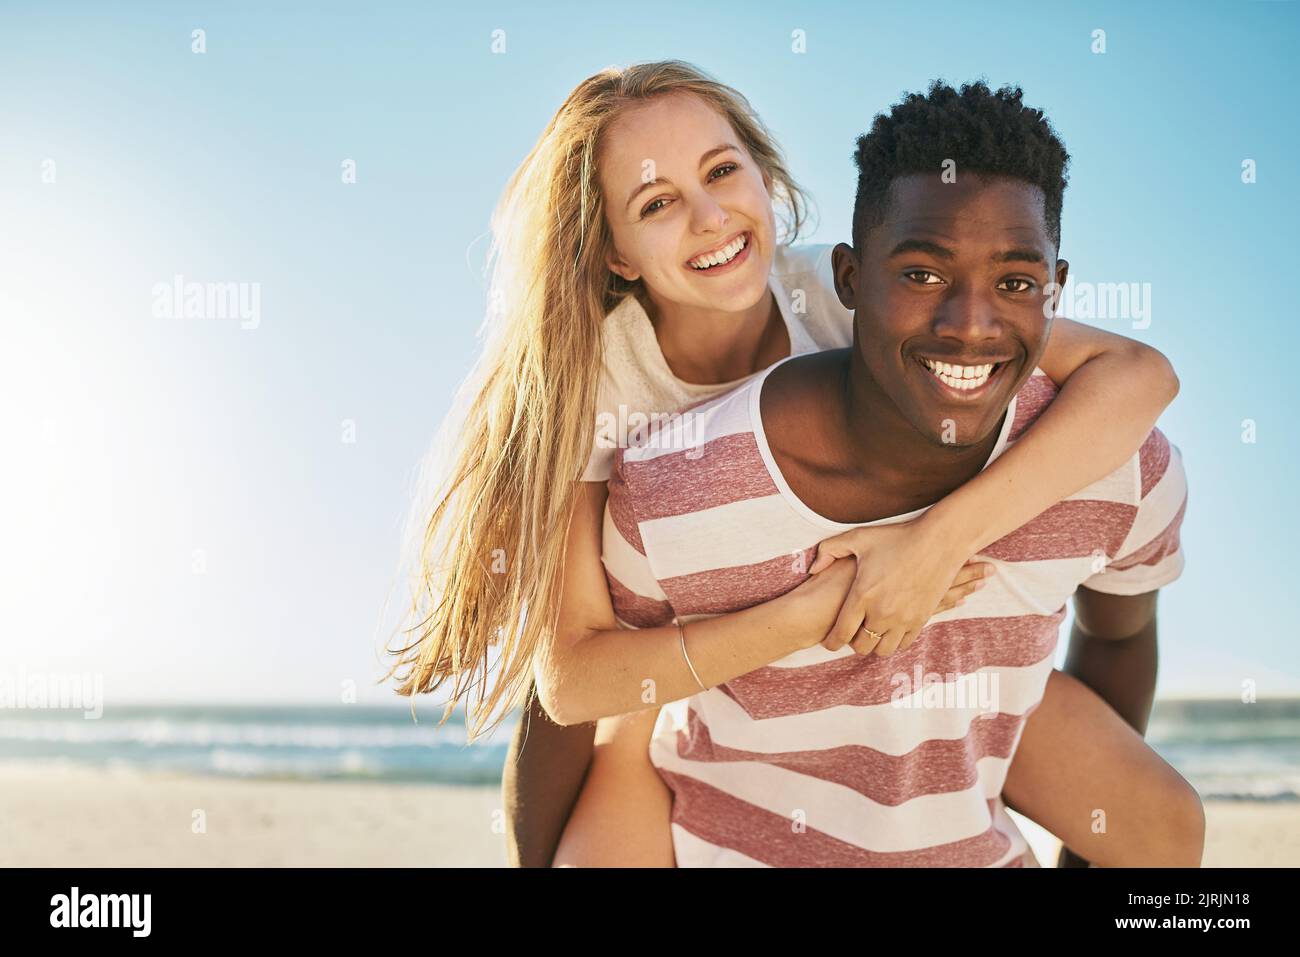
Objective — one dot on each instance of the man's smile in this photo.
(963, 382)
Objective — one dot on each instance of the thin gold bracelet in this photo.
(681, 631)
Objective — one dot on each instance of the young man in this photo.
(835, 758)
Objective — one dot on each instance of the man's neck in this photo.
(845, 448)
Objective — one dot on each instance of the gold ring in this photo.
(872, 633)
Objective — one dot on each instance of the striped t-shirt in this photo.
(834, 758)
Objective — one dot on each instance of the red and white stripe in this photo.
(812, 760)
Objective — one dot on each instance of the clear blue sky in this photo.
(133, 441)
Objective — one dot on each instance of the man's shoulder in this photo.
(1147, 466)
(1135, 505)
(1133, 481)
(1035, 395)
(1150, 555)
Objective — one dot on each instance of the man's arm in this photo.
(544, 771)
(1113, 651)
(1113, 643)
(547, 762)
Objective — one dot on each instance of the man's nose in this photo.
(968, 313)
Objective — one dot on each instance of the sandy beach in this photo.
(68, 818)
(73, 817)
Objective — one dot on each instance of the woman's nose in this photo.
(707, 215)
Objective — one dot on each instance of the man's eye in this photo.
(923, 276)
(1021, 285)
(729, 167)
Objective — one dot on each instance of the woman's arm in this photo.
(594, 669)
(547, 762)
(1112, 390)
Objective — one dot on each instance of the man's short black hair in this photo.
(981, 130)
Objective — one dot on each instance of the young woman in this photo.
(601, 307)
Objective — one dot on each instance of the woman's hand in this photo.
(817, 600)
(906, 573)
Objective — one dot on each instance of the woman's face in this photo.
(678, 185)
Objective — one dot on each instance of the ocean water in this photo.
(1226, 749)
(342, 742)
(1232, 750)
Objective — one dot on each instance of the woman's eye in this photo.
(923, 276)
(1021, 285)
(726, 169)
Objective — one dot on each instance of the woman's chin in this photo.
(743, 290)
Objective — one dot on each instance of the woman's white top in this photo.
(637, 383)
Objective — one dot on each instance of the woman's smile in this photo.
(725, 258)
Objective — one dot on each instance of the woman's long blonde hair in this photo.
(499, 487)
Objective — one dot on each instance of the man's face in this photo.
(678, 186)
(956, 276)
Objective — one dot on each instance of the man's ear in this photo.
(844, 270)
(1062, 273)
